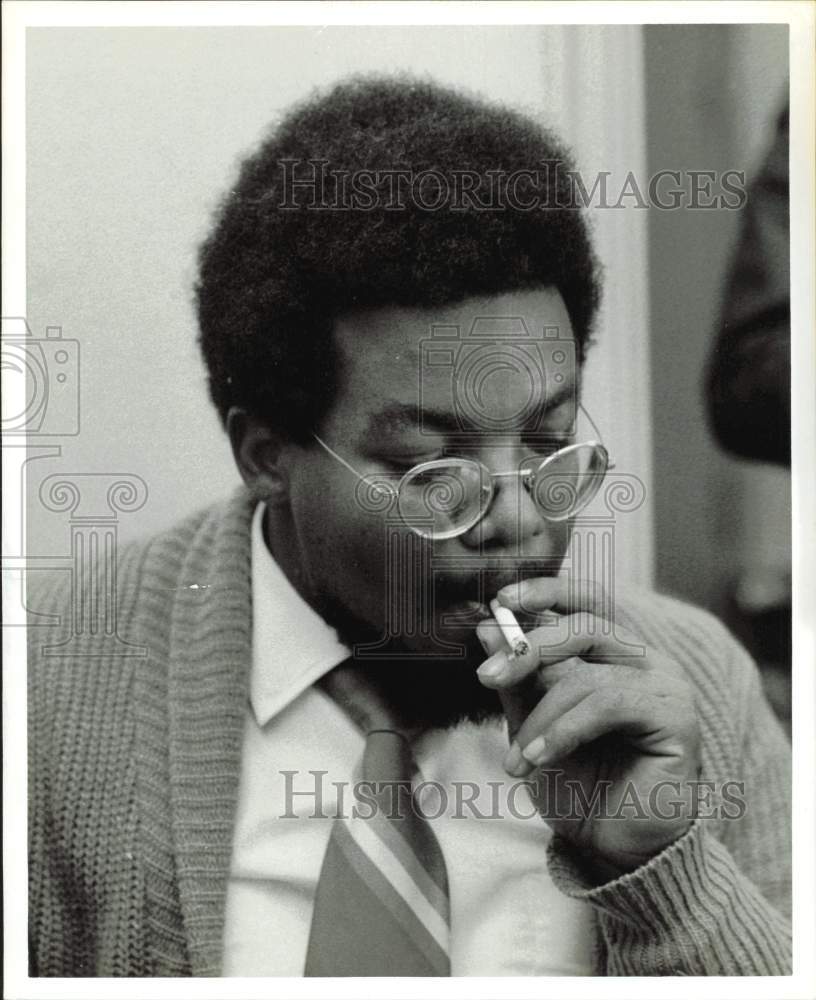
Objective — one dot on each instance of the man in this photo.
(247, 799)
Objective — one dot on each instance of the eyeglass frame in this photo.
(526, 473)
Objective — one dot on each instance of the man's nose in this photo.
(512, 523)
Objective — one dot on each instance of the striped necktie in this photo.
(381, 907)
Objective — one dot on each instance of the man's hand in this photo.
(618, 720)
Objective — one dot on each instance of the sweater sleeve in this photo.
(57, 944)
(717, 900)
(86, 892)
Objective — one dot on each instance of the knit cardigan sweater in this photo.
(135, 761)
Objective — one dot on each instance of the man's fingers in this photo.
(600, 713)
(580, 635)
(558, 700)
(557, 593)
(660, 677)
(569, 682)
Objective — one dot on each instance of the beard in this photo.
(430, 688)
(428, 691)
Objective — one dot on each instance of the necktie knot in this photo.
(365, 704)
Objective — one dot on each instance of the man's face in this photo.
(416, 601)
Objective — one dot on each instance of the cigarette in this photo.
(511, 630)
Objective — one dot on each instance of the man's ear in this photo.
(259, 453)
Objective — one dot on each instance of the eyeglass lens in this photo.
(444, 498)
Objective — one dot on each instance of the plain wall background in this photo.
(132, 135)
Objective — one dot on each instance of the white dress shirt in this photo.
(507, 917)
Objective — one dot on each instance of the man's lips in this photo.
(467, 611)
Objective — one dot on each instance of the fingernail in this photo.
(493, 667)
(536, 751)
(514, 762)
(509, 594)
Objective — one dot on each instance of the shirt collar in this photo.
(292, 646)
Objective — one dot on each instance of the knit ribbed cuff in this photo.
(623, 897)
(688, 910)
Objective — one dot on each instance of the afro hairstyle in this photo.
(274, 274)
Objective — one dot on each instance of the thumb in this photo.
(517, 702)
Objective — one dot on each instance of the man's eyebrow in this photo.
(395, 416)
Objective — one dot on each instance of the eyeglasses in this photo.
(446, 497)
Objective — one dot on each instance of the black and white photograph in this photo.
(408, 438)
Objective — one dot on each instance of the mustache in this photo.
(480, 584)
